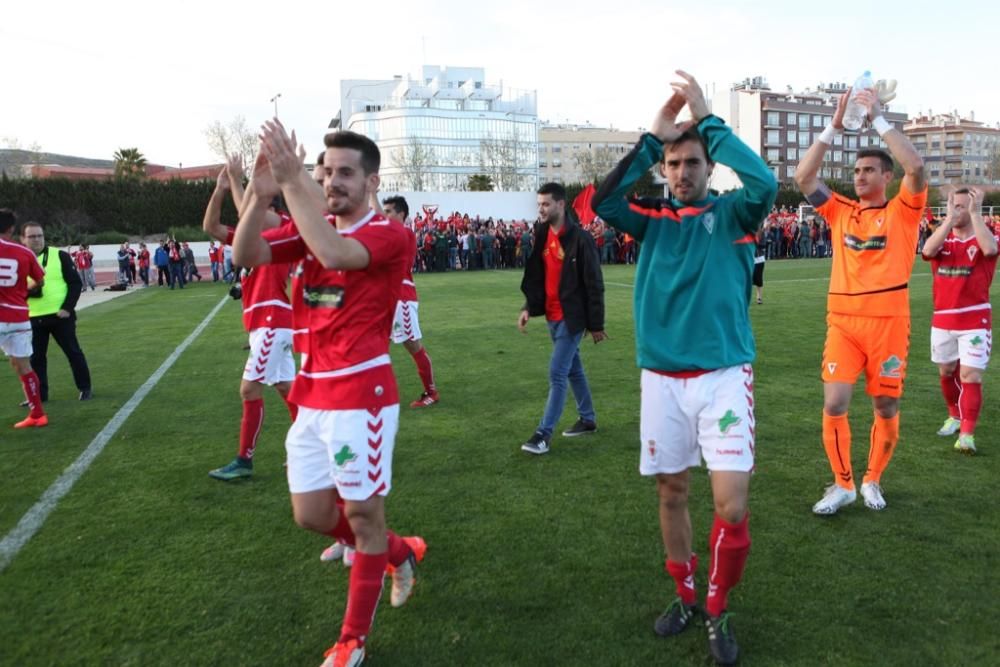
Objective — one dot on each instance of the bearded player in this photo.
(340, 447)
(963, 256)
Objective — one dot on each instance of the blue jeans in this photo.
(565, 365)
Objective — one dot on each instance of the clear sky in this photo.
(88, 78)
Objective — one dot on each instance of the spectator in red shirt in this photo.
(84, 260)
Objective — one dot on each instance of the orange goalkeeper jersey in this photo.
(874, 251)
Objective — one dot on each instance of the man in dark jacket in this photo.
(563, 281)
(52, 310)
(162, 262)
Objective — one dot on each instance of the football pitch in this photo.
(552, 560)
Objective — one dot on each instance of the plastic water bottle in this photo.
(855, 114)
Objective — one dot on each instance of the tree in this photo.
(595, 164)
(479, 183)
(233, 137)
(414, 160)
(506, 160)
(130, 164)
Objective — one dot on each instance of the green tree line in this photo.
(101, 211)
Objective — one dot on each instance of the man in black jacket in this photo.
(52, 310)
(563, 281)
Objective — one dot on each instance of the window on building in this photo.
(543, 164)
(773, 137)
(791, 119)
(819, 121)
(803, 121)
(776, 171)
(557, 163)
(793, 153)
(790, 170)
(838, 156)
(803, 139)
(827, 173)
(557, 149)
(791, 136)
(852, 141)
(773, 154)
(772, 118)
(838, 140)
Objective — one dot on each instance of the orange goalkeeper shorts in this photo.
(876, 345)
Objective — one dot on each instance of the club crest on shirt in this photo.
(971, 252)
(709, 221)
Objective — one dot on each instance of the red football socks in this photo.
(253, 418)
(364, 591)
(969, 405)
(425, 369)
(683, 574)
(730, 544)
(32, 393)
(951, 389)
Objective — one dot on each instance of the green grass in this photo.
(553, 560)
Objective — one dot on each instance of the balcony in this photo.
(953, 144)
(952, 158)
(951, 173)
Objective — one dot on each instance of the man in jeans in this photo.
(563, 281)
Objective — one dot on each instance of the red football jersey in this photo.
(962, 279)
(84, 259)
(265, 296)
(409, 290)
(17, 264)
(349, 317)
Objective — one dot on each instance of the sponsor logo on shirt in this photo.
(954, 271)
(872, 243)
(327, 296)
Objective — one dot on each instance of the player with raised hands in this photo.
(340, 448)
(868, 305)
(694, 342)
(963, 256)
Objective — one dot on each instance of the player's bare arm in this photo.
(522, 321)
(934, 242)
(212, 223)
(807, 173)
(984, 237)
(249, 248)
(898, 144)
(306, 203)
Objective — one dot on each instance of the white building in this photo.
(438, 130)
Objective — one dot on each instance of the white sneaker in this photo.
(333, 552)
(403, 577)
(950, 427)
(834, 498)
(872, 493)
(966, 444)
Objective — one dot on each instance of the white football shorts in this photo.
(406, 323)
(270, 360)
(970, 348)
(706, 417)
(15, 339)
(347, 449)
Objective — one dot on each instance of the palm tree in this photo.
(129, 163)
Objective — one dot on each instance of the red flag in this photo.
(582, 205)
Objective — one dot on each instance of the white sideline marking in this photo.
(778, 280)
(33, 519)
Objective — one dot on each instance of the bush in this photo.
(106, 238)
(188, 233)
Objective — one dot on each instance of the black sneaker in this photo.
(86, 395)
(721, 641)
(675, 619)
(536, 444)
(580, 428)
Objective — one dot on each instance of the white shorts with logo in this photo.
(406, 323)
(707, 417)
(347, 449)
(270, 360)
(15, 339)
(969, 348)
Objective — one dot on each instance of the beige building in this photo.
(580, 153)
(781, 126)
(956, 150)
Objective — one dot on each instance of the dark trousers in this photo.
(162, 275)
(64, 331)
(176, 275)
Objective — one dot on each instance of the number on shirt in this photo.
(8, 272)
